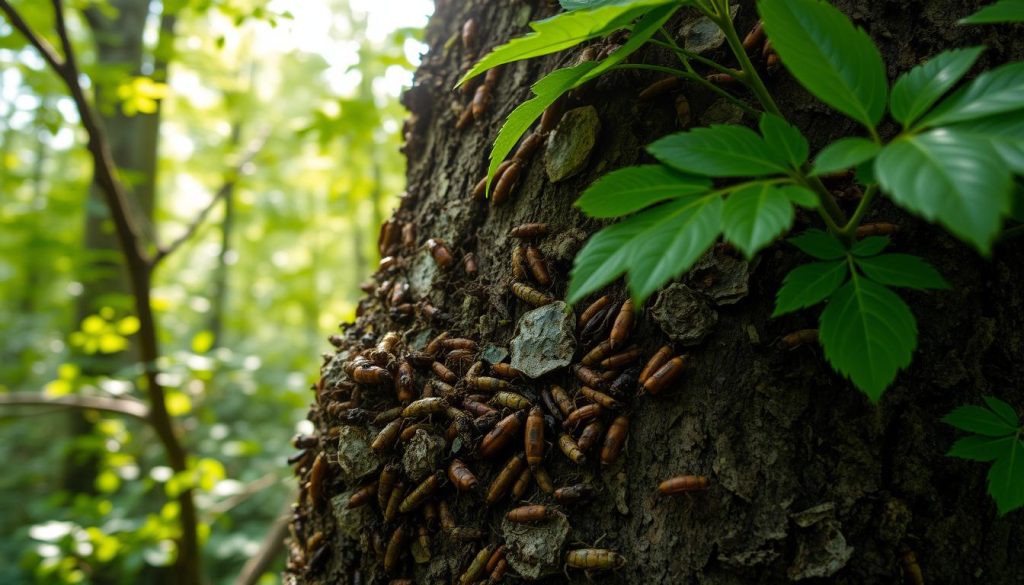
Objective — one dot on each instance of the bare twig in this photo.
(224, 191)
(273, 544)
(125, 406)
(251, 489)
(45, 49)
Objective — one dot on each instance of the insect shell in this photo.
(527, 148)
(522, 484)
(660, 88)
(495, 558)
(573, 493)
(798, 338)
(469, 265)
(389, 476)
(388, 436)
(394, 501)
(623, 325)
(511, 400)
(614, 440)
(594, 559)
(477, 567)
(755, 37)
(600, 398)
(684, 483)
(534, 437)
(362, 496)
(527, 514)
(503, 186)
(622, 359)
(590, 435)
(528, 231)
(538, 268)
(502, 483)
(502, 434)
(654, 364)
(571, 449)
(461, 477)
(660, 379)
(394, 551)
(425, 407)
(531, 295)
(419, 495)
(317, 478)
(470, 34)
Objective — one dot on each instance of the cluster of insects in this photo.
(502, 431)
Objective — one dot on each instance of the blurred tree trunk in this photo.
(808, 480)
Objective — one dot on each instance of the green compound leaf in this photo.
(563, 31)
(993, 92)
(800, 196)
(1004, 132)
(719, 151)
(902, 270)
(844, 154)
(605, 257)
(755, 215)
(1006, 478)
(868, 333)
(808, 285)
(948, 176)
(819, 244)
(918, 89)
(779, 135)
(980, 448)
(980, 421)
(869, 246)
(1000, 12)
(631, 189)
(1002, 410)
(833, 59)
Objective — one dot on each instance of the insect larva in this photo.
(317, 478)
(660, 88)
(445, 515)
(551, 116)
(444, 373)
(518, 263)
(496, 556)
(409, 432)
(476, 568)
(488, 384)
(362, 496)
(470, 31)
(590, 436)
(389, 476)
(461, 477)
(442, 256)
(502, 483)
(476, 408)
(614, 440)
(510, 400)
(421, 493)
(721, 79)
(409, 235)
(372, 375)
(684, 483)
(481, 102)
(572, 494)
(654, 364)
(540, 475)
(405, 389)
(480, 190)
(561, 398)
(571, 449)
(877, 229)
(502, 434)
(538, 268)
(582, 415)
(528, 146)
(588, 377)
(507, 371)
(528, 231)
(387, 241)
(469, 265)
(394, 551)
(755, 37)
(534, 437)
(623, 325)
(434, 346)
(531, 295)
(522, 483)
(592, 310)
(798, 338)
(394, 501)
(388, 436)
(665, 375)
(503, 186)
(425, 407)
(600, 398)
(527, 514)
(621, 359)
(594, 559)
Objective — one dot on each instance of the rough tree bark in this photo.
(808, 480)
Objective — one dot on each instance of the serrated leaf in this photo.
(562, 31)
(1002, 410)
(1000, 12)
(631, 189)
(869, 246)
(755, 215)
(843, 154)
(818, 244)
(779, 135)
(954, 178)
(605, 256)
(833, 59)
(1006, 478)
(868, 333)
(644, 29)
(993, 92)
(546, 91)
(979, 448)
(570, 5)
(979, 420)
(687, 228)
(1004, 132)
(719, 151)
(800, 196)
(808, 285)
(918, 89)
(902, 270)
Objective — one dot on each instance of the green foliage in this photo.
(845, 153)
(996, 436)
(756, 214)
(808, 285)
(631, 189)
(993, 92)
(719, 151)
(1001, 11)
(917, 90)
(834, 60)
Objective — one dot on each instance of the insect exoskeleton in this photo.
(798, 338)
(435, 345)
(305, 441)
(444, 373)
(755, 37)
(551, 116)
(594, 559)
(591, 435)
(503, 186)
(623, 326)
(445, 515)
(395, 546)
(489, 384)
(532, 513)
(442, 256)
(593, 309)
(528, 231)
(477, 567)
(654, 364)
(522, 484)
(519, 263)
(405, 385)
(317, 478)
(571, 449)
(466, 533)
(476, 408)
(496, 556)
(502, 434)
(572, 494)
(660, 88)
(423, 544)
(394, 501)
(409, 235)
(387, 241)
(419, 495)
(389, 476)
(614, 440)
(622, 359)
(410, 431)
(469, 265)
(425, 407)
(535, 437)
(540, 475)
(582, 415)
(461, 477)
(600, 398)
(597, 355)
(502, 483)
(538, 267)
(388, 436)
(528, 146)
(470, 31)
(683, 484)
(588, 376)
(506, 371)
(665, 375)
(721, 79)
(362, 496)
(561, 398)
(510, 400)
(369, 374)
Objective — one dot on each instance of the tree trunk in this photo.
(808, 480)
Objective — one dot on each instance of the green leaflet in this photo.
(844, 154)
(997, 437)
(808, 285)
(719, 151)
(917, 90)
(779, 135)
(901, 270)
(1003, 132)
(868, 333)
(631, 189)
(869, 246)
(948, 176)
(1002, 11)
(834, 60)
(756, 214)
(993, 92)
(980, 421)
(818, 244)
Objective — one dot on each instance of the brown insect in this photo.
(430, 515)
(387, 241)
(389, 476)
(444, 373)
(465, 118)
(317, 478)
(461, 477)
(522, 483)
(722, 79)
(600, 398)
(419, 495)
(409, 432)
(469, 265)
(442, 256)
(540, 475)
(664, 376)
(911, 570)
(423, 541)
(596, 355)
(538, 268)
(798, 338)
(660, 88)
(498, 573)
(387, 263)
(528, 146)
(388, 436)
(476, 568)
(528, 231)
(362, 496)
(394, 501)
(592, 310)
(571, 449)
(582, 415)
(480, 190)
(425, 407)
(476, 408)
(591, 435)
(684, 483)
(503, 186)
(527, 514)
(654, 364)
(420, 359)
(614, 440)
(588, 376)
(394, 551)
(470, 32)
(519, 263)
(755, 37)
(369, 374)
(877, 229)
(405, 385)
(551, 116)
(445, 514)
(510, 400)
(496, 556)
(535, 437)
(451, 343)
(502, 434)
(622, 359)
(409, 235)
(436, 344)
(305, 441)
(531, 295)
(623, 325)
(594, 559)
(573, 493)
(507, 371)
(488, 384)
(562, 399)
(502, 483)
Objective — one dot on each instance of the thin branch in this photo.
(125, 406)
(251, 489)
(45, 49)
(225, 190)
(272, 546)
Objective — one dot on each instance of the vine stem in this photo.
(858, 214)
(692, 77)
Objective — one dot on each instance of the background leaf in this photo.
(979, 420)
(605, 256)
(755, 215)
(980, 448)
(869, 246)
(719, 151)
(951, 177)
(834, 60)
(1002, 11)
(869, 334)
(992, 92)
(631, 189)
(902, 270)
(845, 153)
(818, 244)
(918, 89)
(781, 136)
(1002, 410)
(1004, 132)
(1006, 478)
(808, 285)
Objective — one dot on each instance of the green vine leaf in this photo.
(819, 244)
(833, 59)
(997, 437)
(1000, 12)
(644, 29)
(980, 421)
(980, 448)
(844, 154)
(868, 333)
(993, 92)
(605, 256)
(869, 246)
(801, 196)
(631, 189)
(570, 5)
(1006, 478)
(918, 89)
(1002, 410)
(781, 136)
(563, 31)
(756, 214)
(902, 270)
(1004, 132)
(809, 284)
(951, 177)
(719, 151)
